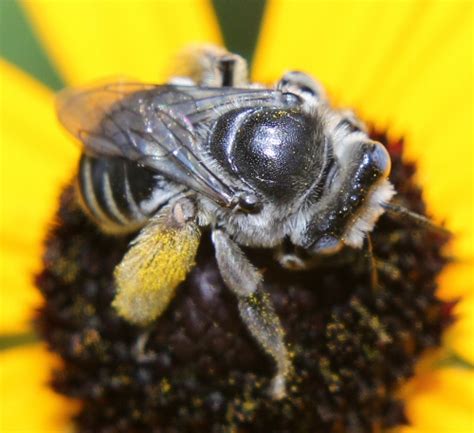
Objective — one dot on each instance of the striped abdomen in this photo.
(119, 195)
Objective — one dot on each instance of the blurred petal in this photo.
(95, 39)
(28, 404)
(457, 280)
(460, 336)
(19, 297)
(35, 160)
(456, 284)
(440, 401)
(407, 65)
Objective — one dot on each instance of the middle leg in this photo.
(255, 306)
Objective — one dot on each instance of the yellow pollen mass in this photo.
(150, 271)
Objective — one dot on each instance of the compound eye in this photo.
(380, 158)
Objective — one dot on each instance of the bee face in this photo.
(359, 190)
(258, 167)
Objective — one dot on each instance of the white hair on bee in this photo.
(366, 218)
(181, 81)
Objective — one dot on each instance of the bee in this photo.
(209, 151)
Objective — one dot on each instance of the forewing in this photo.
(83, 112)
(156, 126)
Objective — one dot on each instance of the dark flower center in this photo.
(197, 369)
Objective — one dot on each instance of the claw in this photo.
(277, 389)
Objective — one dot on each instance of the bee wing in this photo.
(157, 126)
(82, 110)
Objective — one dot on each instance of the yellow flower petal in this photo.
(18, 296)
(95, 39)
(457, 280)
(441, 401)
(403, 64)
(460, 336)
(28, 404)
(35, 160)
(456, 283)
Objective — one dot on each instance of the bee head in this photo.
(352, 201)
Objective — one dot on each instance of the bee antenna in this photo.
(398, 211)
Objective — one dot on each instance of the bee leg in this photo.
(350, 121)
(263, 323)
(371, 262)
(255, 306)
(158, 260)
(293, 258)
(303, 85)
(209, 65)
(139, 350)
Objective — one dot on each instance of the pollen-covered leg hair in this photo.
(158, 260)
(255, 307)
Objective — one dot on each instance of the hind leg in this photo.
(255, 307)
(209, 65)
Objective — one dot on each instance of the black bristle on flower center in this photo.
(197, 369)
